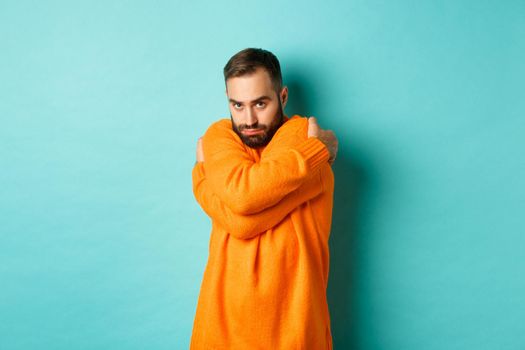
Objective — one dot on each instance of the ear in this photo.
(284, 96)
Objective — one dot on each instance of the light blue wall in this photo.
(102, 245)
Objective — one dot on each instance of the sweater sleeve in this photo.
(247, 186)
(248, 226)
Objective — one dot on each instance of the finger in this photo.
(313, 128)
(200, 151)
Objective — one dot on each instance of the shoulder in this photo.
(296, 124)
(297, 119)
(291, 134)
(219, 127)
(221, 124)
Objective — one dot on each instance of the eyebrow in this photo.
(261, 98)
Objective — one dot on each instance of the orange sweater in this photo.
(264, 286)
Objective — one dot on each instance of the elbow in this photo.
(245, 206)
(243, 231)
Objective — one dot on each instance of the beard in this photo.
(262, 139)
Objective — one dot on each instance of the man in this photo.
(266, 182)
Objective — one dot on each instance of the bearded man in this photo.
(266, 182)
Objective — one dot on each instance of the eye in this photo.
(236, 105)
(261, 104)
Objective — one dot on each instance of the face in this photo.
(256, 109)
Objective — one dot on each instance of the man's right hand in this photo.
(200, 152)
(325, 136)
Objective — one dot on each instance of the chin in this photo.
(255, 141)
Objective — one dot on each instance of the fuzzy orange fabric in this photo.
(264, 286)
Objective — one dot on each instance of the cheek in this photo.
(235, 115)
(269, 115)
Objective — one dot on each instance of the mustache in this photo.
(252, 127)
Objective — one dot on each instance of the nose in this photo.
(251, 117)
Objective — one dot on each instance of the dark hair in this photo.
(248, 60)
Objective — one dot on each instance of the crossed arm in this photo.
(246, 197)
(246, 226)
(247, 186)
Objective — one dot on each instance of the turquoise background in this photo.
(102, 245)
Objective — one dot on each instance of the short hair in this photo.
(246, 61)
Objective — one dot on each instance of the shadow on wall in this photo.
(344, 252)
(349, 187)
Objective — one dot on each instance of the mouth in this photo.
(252, 131)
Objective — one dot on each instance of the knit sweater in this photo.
(264, 285)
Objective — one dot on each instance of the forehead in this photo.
(249, 87)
